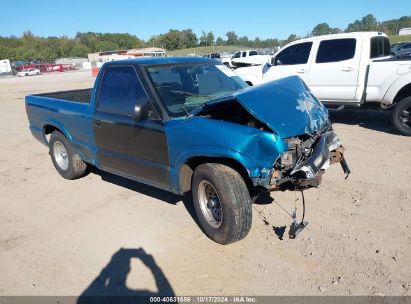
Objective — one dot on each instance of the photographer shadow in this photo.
(110, 284)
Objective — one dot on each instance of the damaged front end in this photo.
(288, 108)
(308, 156)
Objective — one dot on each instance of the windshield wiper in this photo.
(189, 93)
(187, 113)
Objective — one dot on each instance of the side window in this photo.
(120, 89)
(380, 47)
(295, 54)
(237, 55)
(336, 50)
(253, 53)
(244, 54)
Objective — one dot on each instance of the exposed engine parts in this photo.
(306, 159)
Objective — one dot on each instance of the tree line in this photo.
(30, 47)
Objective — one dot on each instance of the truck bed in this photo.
(81, 96)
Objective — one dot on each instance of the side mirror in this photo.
(140, 109)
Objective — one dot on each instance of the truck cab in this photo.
(349, 69)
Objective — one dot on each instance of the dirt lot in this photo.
(104, 234)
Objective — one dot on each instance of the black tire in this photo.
(401, 116)
(233, 197)
(75, 166)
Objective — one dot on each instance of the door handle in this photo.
(347, 69)
(97, 124)
(301, 71)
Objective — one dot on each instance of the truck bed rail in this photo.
(82, 96)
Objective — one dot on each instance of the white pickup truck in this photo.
(244, 58)
(349, 69)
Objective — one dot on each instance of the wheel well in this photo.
(48, 129)
(187, 170)
(249, 83)
(403, 93)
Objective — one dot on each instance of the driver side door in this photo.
(135, 149)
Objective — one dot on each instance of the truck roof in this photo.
(163, 60)
(343, 35)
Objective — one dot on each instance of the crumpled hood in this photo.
(285, 105)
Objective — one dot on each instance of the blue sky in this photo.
(144, 18)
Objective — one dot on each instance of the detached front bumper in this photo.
(307, 171)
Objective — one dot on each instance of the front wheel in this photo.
(401, 116)
(222, 203)
(65, 159)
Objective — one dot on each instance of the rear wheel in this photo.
(65, 159)
(401, 116)
(222, 203)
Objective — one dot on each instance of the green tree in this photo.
(188, 39)
(170, 40)
(392, 27)
(210, 38)
(232, 38)
(321, 29)
(243, 41)
(80, 51)
(219, 41)
(257, 42)
(203, 39)
(367, 23)
(291, 38)
(7, 53)
(47, 54)
(103, 46)
(335, 30)
(65, 46)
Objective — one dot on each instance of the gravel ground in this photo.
(104, 234)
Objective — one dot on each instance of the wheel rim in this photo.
(405, 117)
(60, 155)
(210, 204)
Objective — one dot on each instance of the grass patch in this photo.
(202, 50)
(395, 39)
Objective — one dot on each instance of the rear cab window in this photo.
(380, 47)
(335, 50)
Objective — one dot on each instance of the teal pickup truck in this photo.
(190, 125)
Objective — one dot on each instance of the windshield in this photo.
(397, 45)
(183, 87)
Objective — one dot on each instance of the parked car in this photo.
(404, 55)
(191, 125)
(28, 72)
(350, 69)
(401, 48)
(238, 58)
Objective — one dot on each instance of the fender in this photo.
(397, 85)
(250, 74)
(66, 133)
(249, 164)
(55, 123)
